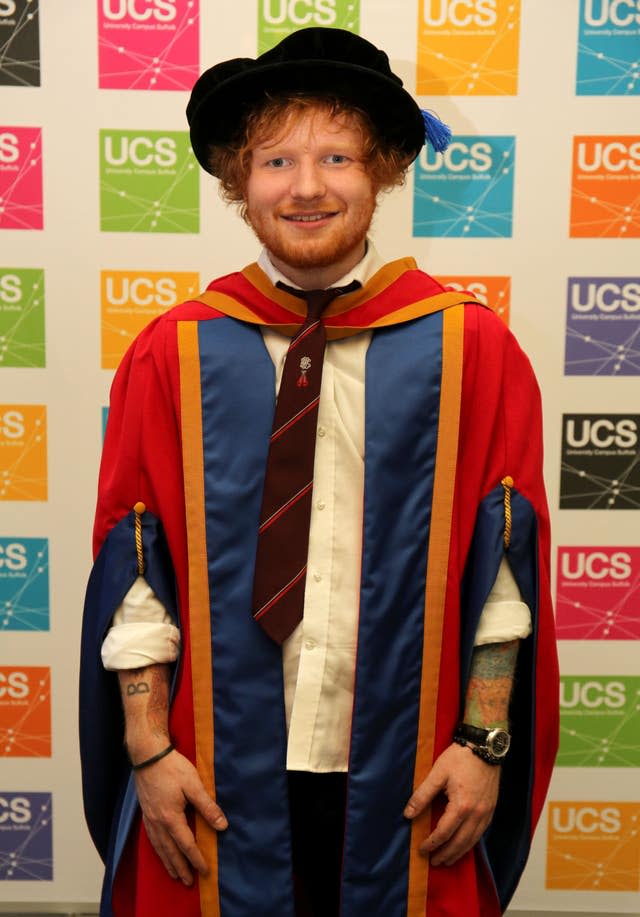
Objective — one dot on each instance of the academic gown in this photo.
(453, 482)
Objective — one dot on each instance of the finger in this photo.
(183, 837)
(448, 824)
(461, 842)
(205, 805)
(423, 796)
(169, 854)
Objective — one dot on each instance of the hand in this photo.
(164, 790)
(471, 786)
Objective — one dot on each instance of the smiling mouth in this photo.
(308, 217)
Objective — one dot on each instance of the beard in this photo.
(333, 246)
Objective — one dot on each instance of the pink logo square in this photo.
(598, 593)
(148, 44)
(20, 178)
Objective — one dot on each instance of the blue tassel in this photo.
(436, 132)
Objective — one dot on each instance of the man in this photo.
(379, 539)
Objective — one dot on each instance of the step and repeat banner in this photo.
(106, 221)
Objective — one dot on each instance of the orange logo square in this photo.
(605, 188)
(593, 846)
(25, 712)
(131, 299)
(23, 452)
(468, 47)
(494, 292)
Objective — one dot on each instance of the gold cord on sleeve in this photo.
(507, 484)
(139, 509)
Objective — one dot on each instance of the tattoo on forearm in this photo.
(145, 697)
(490, 683)
(141, 688)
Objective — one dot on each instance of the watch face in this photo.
(498, 742)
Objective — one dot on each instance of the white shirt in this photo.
(319, 656)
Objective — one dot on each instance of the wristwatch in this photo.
(491, 745)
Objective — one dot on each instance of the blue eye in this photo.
(337, 158)
(278, 162)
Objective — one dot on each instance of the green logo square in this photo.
(599, 721)
(22, 317)
(148, 182)
(279, 18)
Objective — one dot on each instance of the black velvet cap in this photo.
(331, 62)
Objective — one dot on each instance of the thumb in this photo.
(423, 795)
(206, 806)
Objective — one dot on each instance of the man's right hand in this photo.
(166, 787)
(164, 790)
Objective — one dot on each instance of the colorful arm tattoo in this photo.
(490, 683)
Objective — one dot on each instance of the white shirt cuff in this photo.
(133, 646)
(503, 621)
(505, 616)
(142, 632)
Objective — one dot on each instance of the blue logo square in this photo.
(608, 49)
(603, 327)
(467, 191)
(26, 852)
(24, 584)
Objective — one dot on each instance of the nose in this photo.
(307, 183)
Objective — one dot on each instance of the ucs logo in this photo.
(14, 685)
(619, 13)
(141, 151)
(141, 291)
(596, 565)
(10, 288)
(615, 295)
(9, 147)
(139, 10)
(458, 157)
(299, 12)
(460, 13)
(12, 424)
(586, 819)
(13, 556)
(16, 810)
(602, 433)
(592, 694)
(614, 156)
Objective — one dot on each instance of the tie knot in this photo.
(318, 300)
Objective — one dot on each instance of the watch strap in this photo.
(474, 734)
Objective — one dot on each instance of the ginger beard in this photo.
(323, 250)
(309, 199)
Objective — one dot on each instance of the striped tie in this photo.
(283, 536)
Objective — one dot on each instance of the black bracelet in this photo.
(486, 755)
(154, 758)
(480, 752)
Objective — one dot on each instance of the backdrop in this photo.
(105, 220)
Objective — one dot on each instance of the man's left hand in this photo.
(471, 787)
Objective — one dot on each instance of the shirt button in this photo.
(317, 577)
(321, 431)
(321, 504)
(310, 644)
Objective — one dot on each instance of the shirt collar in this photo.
(362, 272)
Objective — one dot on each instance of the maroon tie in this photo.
(283, 536)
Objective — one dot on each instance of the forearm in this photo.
(166, 785)
(490, 684)
(145, 701)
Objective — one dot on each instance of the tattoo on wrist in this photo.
(140, 688)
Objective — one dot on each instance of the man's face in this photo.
(309, 198)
